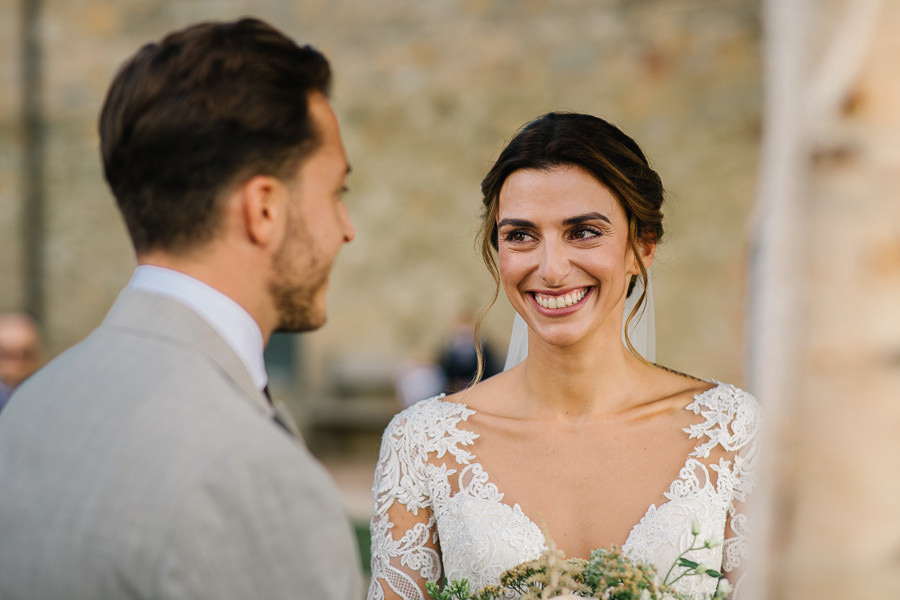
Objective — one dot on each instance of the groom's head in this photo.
(226, 161)
(192, 115)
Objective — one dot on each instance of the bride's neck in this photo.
(580, 382)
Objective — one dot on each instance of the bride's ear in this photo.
(647, 250)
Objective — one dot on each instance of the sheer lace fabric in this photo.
(437, 512)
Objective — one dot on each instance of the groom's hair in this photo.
(199, 112)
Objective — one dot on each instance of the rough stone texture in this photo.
(9, 154)
(427, 93)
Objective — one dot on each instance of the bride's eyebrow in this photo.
(593, 216)
(577, 220)
(515, 223)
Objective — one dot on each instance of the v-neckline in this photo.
(516, 508)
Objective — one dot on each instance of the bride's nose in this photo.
(554, 264)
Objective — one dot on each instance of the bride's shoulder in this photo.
(429, 413)
(677, 390)
(707, 392)
(433, 425)
(493, 392)
(731, 415)
(729, 398)
(721, 406)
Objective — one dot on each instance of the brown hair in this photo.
(601, 149)
(193, 114)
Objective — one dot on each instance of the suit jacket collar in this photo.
(153, 315)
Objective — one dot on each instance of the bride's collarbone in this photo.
(559, 424)
(505, 400)
(648, 442)
(612, 469)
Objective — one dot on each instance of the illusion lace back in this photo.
(437, 512)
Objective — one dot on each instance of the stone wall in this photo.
(427, 94)
(10, 167)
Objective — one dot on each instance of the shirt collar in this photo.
(239, 330)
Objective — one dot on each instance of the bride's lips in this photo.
(561, 302)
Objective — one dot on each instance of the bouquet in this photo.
(608, 575)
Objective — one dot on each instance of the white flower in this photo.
(645, 595)
(702, 569)
(724, 587)
(695, 527)
(712, 543)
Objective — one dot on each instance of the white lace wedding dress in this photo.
(455, 522)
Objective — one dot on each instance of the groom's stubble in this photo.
(295, 290)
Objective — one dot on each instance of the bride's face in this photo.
(563, 254)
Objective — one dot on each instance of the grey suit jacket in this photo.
(143, 463)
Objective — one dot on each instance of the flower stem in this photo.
(679, 557)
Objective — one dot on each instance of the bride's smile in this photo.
(556, 302)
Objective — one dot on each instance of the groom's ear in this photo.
(263, 208)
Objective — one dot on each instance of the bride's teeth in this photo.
(561, 301)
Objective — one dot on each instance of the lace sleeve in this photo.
(745, 427)
(405, 552)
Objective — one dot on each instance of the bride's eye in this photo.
(516, 235)
(584, 233)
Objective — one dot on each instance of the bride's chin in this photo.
(559, 340)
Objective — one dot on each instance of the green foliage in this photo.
(458, 589)
(609, 574)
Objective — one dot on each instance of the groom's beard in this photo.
(298, 290)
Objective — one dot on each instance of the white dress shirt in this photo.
(226, 316)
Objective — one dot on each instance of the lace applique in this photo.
(450, 519)
(405, 479)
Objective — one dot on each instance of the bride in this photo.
(585, 438)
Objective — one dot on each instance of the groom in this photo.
(148, 460)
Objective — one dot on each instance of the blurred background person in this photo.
(20, 351)
(459, 356)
